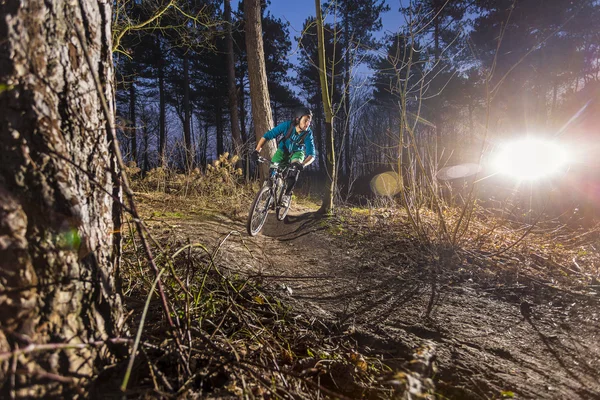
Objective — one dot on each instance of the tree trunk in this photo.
(257, 74)
(146, 164)
(162, 134)
(205, 144)
(242, 106)
(187, 135)
(347, 159)
(233, 103)
(437, 120)
(132, 118)
(318, 129)
(275, 119)
(60, 215)
(327, 206)
(219, 126)
(243, 110)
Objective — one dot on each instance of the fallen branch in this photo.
(34, 348)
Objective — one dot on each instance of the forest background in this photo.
(482, 73)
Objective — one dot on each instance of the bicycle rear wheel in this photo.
(259, 211)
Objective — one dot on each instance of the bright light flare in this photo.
(530, 159)
(385, 184)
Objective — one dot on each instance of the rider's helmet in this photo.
(299, 112)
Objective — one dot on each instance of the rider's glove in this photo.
(299, 166)
(255, 155)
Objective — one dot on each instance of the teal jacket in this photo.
(290, 145)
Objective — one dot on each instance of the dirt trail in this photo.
(521, 340)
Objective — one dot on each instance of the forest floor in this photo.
(524, 323)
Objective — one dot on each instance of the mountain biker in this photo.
(296, 147)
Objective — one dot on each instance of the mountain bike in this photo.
(269, 197)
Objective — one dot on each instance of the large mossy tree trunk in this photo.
(60, 215)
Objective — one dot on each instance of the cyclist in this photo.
(296, 147)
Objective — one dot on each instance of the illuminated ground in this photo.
(522, 325)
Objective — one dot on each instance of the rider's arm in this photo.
(309, 143)
(280, 129)
(260, 144)
(308, 160)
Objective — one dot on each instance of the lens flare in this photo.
(69, 239)
(385, 184)
(531, 159)
(458, 171)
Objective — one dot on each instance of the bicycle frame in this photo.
(276, 181)
(268, 198)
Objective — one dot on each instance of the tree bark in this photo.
(132, 118)
(318, 129)
(347, 159)
(205, 144)
(327, 205)
(243, 110)
(146, 137)
(257, 74)
(187, 135)
(242, 106)
(162, 133)
(233, 103)
(219, 126)
(60, 214)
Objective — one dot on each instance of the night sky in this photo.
(296, 11)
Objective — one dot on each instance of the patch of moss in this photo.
(360, 211)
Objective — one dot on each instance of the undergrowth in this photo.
(235, 337)
(231, 335)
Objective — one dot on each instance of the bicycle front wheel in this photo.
(281, 210)
(259, 211)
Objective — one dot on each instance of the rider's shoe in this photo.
(285, 200)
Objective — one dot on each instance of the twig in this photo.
(33, 348)
(119, 36)
(14, 374)
(164, 380)
(139, 332)
(518, 240)
(549, 286)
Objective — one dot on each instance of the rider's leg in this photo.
(293, 172)
(277, 159)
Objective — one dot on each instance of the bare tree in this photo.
(60, 215)
(327, 206)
